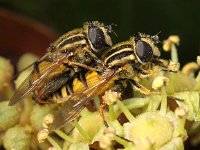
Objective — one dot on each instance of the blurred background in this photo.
(30, 25)
(179, 17)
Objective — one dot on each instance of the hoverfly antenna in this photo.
(110, 30)
(158, 33)
(155, 38)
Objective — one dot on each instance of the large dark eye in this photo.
(96, 37)
(144, 51)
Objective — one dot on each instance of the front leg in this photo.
(139, 87)
(142, 73)
(71, 63)
(99, 61)
(169, 68)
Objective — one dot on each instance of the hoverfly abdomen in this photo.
(75, 86)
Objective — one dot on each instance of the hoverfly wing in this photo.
(68, 112)
(55, 85)
(75, 104)
(18, 73)
(71, 109)
(26, 87)
(21, 92)
(30, 65)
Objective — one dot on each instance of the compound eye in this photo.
(144, 51)
(96, 37)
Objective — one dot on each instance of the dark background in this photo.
(181, 17)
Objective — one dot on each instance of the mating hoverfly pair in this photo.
(71, 73)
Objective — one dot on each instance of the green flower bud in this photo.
(38, 114)
(175, 144)
(25, 60)
(9, 116)
(23, 75)
(6, 73)
(91, 123)
(152, 126)
(78, 146)
(17, 138)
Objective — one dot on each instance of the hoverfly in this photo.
(72, 52)
(124, 61)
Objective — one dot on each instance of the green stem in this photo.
(163, 108)
(96, 101)
(121, 141)
(53, 142)
(171, 83)
(82, 131)
(112, 112)
(65, 136)
(126, 112)
(180, 128)
(174, 53)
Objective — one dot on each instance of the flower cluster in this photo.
(163, 120)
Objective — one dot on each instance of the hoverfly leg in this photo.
(82, 78)
(101, 108)
(47, 58)
(95, 57)
(42, 101)
(83, 66)
(36, 66)
(142, 73)
(165, 67)
(140, 88)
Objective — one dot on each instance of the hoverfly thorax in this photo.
(98, 35)
(145, 48)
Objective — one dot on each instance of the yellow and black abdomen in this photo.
(90, 84)
(77, 86)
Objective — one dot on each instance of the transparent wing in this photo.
(26, 87)
(40, 59)
(52, 87)
(20, 93)
(74, 105)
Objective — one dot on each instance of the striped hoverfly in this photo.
(124, 61)
(72, 52)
